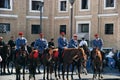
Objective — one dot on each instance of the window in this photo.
(109, 3)
(4, 27)
(83, 28)
(85, 4)
(63, 5)
(63, 28)
(35, 5)
(35, 29)
(108, 28)
(5, 4)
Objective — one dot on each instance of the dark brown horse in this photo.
(70, 56)
(96, 58)
(33, 63)
(46, 60)
(20, 62)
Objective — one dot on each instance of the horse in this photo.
(55, 61)
(87, 52)
(4, 52)
(33, 62)
(20, 62)
(70, 56)
(46, 60)
(97, 63)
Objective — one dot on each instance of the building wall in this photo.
(21, 19)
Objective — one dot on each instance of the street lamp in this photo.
(40, 7)
(71, 16)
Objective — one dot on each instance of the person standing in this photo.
(62, 44)
(21, 41)
(2, 43)
(12, 45)
(97, 42)
(51, 43)
(83, 42)
(73, 42)
(11, 42)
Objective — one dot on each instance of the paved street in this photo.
(109, 74)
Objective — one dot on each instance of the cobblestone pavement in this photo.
(109, 74)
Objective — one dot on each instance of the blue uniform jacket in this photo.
(62, 43)
(41, 45)
(98, 43)
(20, 42)
(73, 44)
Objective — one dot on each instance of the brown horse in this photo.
(47, 62)
(96, 58)
(70, 56)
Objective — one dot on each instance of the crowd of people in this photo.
(41, 44)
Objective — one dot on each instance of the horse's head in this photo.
(96, 54)
(47, 53)
(82, 54)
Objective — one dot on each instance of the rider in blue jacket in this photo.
(41, 44)
(62, 44)
(21, 41)
(97, 42)
(73, 42)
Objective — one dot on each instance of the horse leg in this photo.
(59, 65)
(51, 71)
(84, 68)
(100, 72)
(67, 71)
(8, 67)
(1, 67)
(4, 66)
(78, 67)
(94, 73)
(24, 72)
(44, 73)
(63, 71)
(73, 65)
(55, 70)
(47, 72)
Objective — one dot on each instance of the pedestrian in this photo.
(12, 45)
(41, 44)
(110, 58)
(83, 42)
(21, 41)
(97, 42)
(2, 43)
(73, 42)
(51, 43)
(11, 42)
(62, 44)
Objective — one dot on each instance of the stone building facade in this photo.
(89, 17)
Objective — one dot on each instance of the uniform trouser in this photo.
(60, 54)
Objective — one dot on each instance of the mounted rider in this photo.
(73, 42)
(62, 44)
(97, 42)
(21, 41)
(41, 44)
